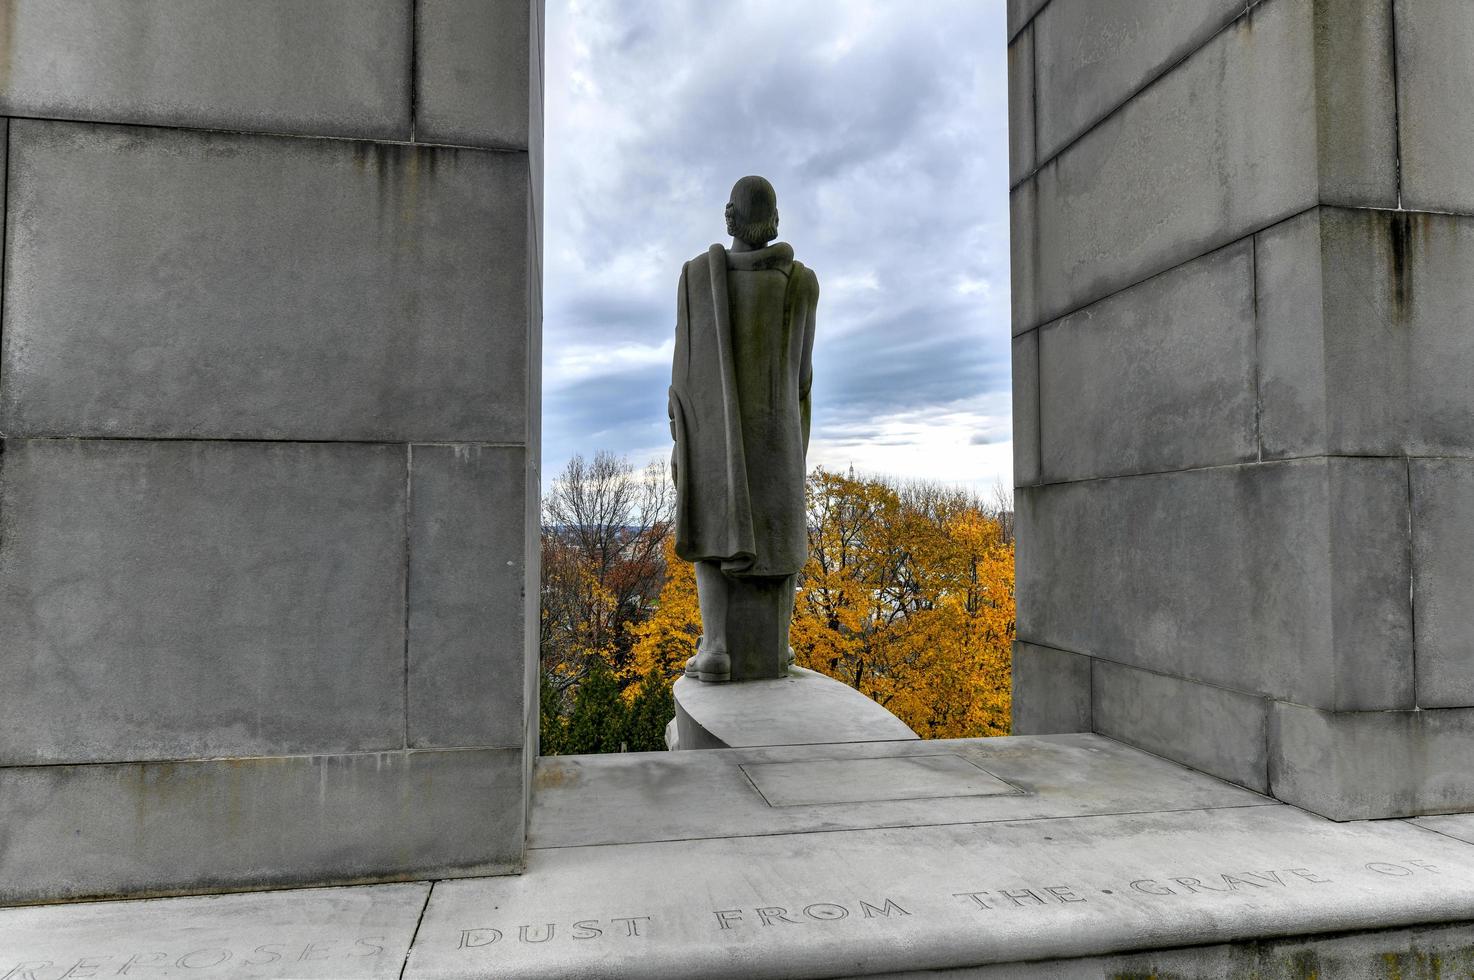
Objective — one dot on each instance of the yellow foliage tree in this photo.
(907, 596)
(665, 641)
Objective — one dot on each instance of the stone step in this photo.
(1058, 856)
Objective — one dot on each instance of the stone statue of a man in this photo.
(739, 413)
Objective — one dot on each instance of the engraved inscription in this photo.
(1021, 898)
(1224, 881)
(625, 926)
(770, 915)
(1004, 897)
(200, 961)
(1401, 870)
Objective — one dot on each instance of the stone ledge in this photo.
(1067, 878)
(1355, 956)
(103, 830)
(360, 933)
(1367, 765)
(829, 904)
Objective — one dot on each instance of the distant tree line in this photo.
(907, 597)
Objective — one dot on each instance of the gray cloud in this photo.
(884, 132)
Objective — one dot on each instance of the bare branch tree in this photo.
(604, 525)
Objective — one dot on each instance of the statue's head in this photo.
(752, 212)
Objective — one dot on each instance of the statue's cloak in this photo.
(739, 408)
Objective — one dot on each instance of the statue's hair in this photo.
(756, 232)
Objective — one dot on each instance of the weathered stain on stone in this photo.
(1243, 27)
(399, 169)
(377, 159)
(1305, 965)
(549, 775)
(410, 186)
(7, 43)
(1400, 241)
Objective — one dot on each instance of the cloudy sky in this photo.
(883, 126)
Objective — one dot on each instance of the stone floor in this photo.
(1059, 856)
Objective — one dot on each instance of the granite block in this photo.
(170, 600)
(311, 67)
(75, 832)
(1024, 255)
(1298, 573)
(467, 622)
(1355, 102)
(1223, 145)
(1370, 560)
(1096, 54)
(1217, 731)
(1160, 376)
(1051, 691)
(1365, 346)
(1021, 105)
(1399, 290)
(176, 284)
(531, 614)
(1367, 765)
(473, 82)
(1026, 409)
(1443, 570)
(536, 129)
(1288, 106)
(1434, 71)
(1294, 387)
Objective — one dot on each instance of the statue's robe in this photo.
(739, 409)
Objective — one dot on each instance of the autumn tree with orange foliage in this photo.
(604, 529)
(665, 641)
(907, 597)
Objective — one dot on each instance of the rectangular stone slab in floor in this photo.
(1459, 826)
(360, 933)
(856, 903)
(869, 780)
(653, 796)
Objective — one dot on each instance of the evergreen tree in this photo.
(597, 722)
(651, 710)
(552, 725)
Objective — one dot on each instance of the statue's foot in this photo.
(791, 658)
(713, 666)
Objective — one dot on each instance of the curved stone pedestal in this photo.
(803, 708)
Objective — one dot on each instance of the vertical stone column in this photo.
(1243, 256)
(269, 399)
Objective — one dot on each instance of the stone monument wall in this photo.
(1243, 284)
(269, 399)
